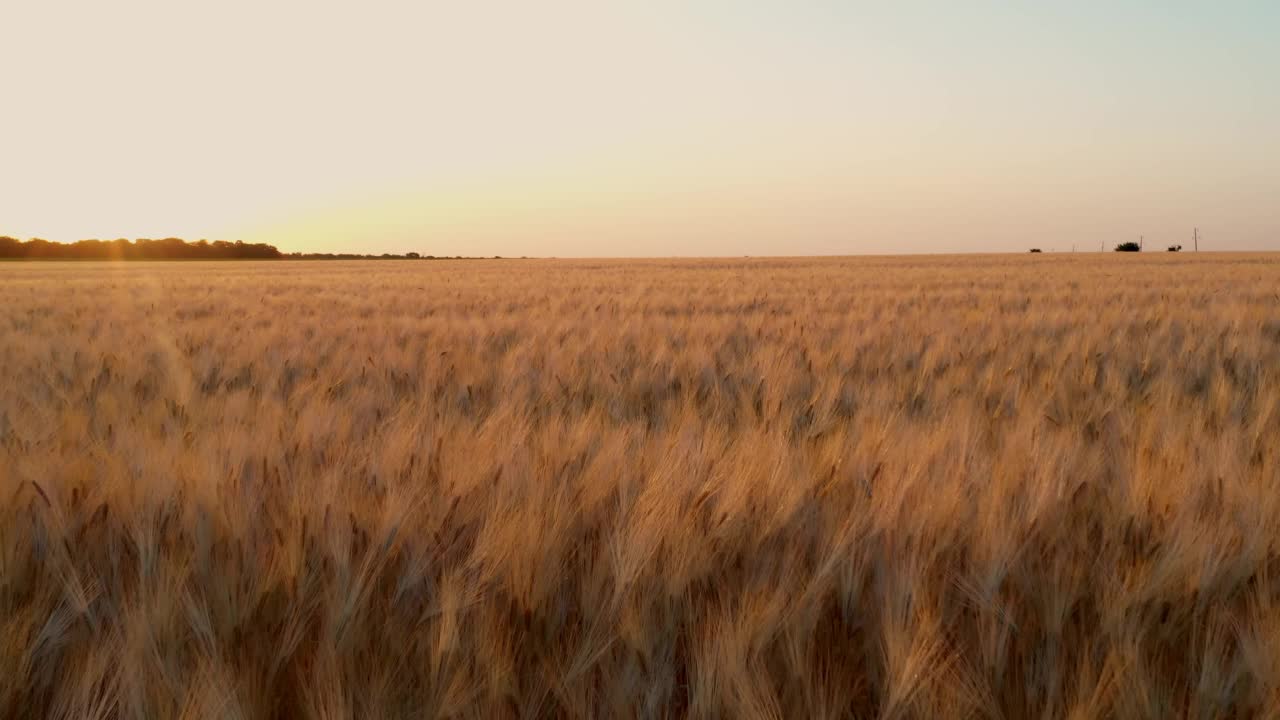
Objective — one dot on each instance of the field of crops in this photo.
(985, 486)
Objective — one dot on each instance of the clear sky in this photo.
(662, 127)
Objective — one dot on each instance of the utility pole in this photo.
(1140, 239)
(1195, 237)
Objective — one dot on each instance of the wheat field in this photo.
(990, 487)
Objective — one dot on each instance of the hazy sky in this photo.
(645, 128)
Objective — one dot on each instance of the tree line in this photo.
(142, 249)
(170, 249)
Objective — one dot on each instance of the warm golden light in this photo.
(575, 128)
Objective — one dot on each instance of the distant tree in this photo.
(1128, 247)
(10, 247)
(1175, 248)
(1035, 250)
(412, 255)
(38, 248)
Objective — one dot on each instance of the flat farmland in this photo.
(968, 486)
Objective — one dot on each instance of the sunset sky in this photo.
(645, 128)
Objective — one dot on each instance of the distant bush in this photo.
(1035, 250)
(1129, 247)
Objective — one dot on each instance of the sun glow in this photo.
(574, 128)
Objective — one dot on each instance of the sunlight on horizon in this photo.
(701, 128)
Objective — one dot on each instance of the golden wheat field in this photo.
(988, 487)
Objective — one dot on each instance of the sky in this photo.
(658, 128)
